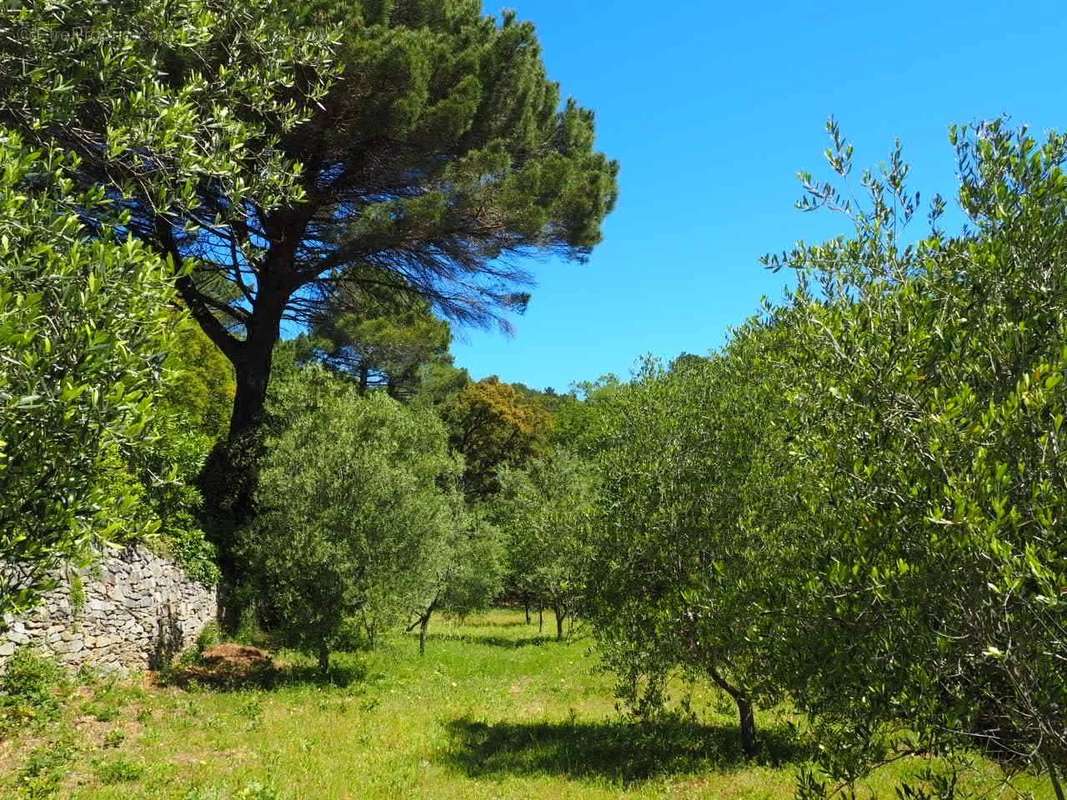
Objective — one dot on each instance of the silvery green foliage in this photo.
(672, 575)
(473, 576)
(158, 96)
(919, 468)
(859, 501)
(546, 510)
(355, 513)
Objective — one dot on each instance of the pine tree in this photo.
(281, 153)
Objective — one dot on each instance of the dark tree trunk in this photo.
(1057, 787)
(561, 615)
(746, 714)
(541, 618)
(424, 624)
(747, 717)
(526, 603)
(252, 375)
(324, 659)
(253, 361)
(230, 477)
(229, 481)
(372, 634)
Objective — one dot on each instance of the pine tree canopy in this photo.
(290, 150)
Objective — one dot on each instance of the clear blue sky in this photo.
(712, 108)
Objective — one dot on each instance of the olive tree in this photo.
(673, 580)
(546, 509)
(469, 573)
(353, 511)
(84, 327)
(919, 468)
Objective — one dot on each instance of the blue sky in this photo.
(712, 108)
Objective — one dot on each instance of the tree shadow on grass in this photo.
(342, 674)
(492, 641)
(616, 750)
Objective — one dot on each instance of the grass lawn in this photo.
(492, 711)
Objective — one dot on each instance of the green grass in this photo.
(492, 711)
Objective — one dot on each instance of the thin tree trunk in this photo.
(424, 623)
(541, 618)
(561, 615)
(372, 635)
(746, 714)
(526, 603)
(747, 718)
(324, 659)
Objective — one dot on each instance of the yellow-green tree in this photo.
(492, 425)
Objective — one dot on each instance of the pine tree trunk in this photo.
(252, 374)
(229, 479)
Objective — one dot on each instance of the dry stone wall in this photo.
(132, 610)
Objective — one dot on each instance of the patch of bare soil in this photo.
(229, 664)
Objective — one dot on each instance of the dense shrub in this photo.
(672, 577)
(29, 687)
(919, 467)
(859, 501)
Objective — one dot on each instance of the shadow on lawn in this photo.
(617, 750)
(513, 623)
(492, 641)
(342, 674)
